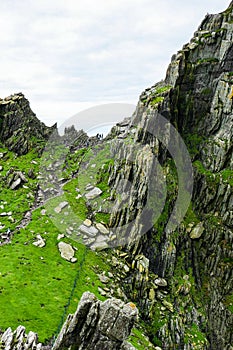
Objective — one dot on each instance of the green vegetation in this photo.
(72, 162)
(99, 162)
(207, 60)
(139, 340)
(156, 100)
(225, 175)
(157, 95)
(21, 200)
(193, 142)
(195, 337)
(191, 217)
(229, 300)
(172, 190)
(36, 283)
(206, 91)
(157, 323)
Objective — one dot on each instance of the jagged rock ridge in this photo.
(20, 129)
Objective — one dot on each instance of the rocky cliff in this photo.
(20, 129)
(195, 301)
(162, 200)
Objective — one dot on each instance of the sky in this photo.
(69, 55)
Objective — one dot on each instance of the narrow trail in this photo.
(39, 204)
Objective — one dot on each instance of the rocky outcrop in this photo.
(95, 325)
(20, 129)
(98, 325)
(19, 340)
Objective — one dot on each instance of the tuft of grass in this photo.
(156, 100)
(139, 340)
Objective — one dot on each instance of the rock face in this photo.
(19, 340)
(196, 259)
(19, 126)
(98, 325)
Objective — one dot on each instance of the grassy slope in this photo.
(37, 287)
(36, 283)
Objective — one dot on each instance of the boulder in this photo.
(94, 193)
(98, 246)
(67, 251)
(61, 206)
(87, 222)
(19, 340)
(161, 282)
(90, 231)
(16, 184)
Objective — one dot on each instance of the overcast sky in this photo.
(67, 55)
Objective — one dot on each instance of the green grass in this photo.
(195, 337)
(193, 142)
(139, 340)
(20, 200)
(229, 300)
(156, 100)
(154, 97)
(225, 175)
(191, 217)
(35, 283)
(207, 60)
(73, 161)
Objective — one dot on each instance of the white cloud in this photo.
(72, 54)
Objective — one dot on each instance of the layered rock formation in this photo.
(20, 129)
(196, 258)
(98, 325)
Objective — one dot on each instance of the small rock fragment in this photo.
(103, 229)
(95, 192)
(197, 231)
(87, 222)
(67, 251)
(161, 282)
(40, 242)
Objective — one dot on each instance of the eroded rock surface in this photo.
(19, 125)
(98, 325)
